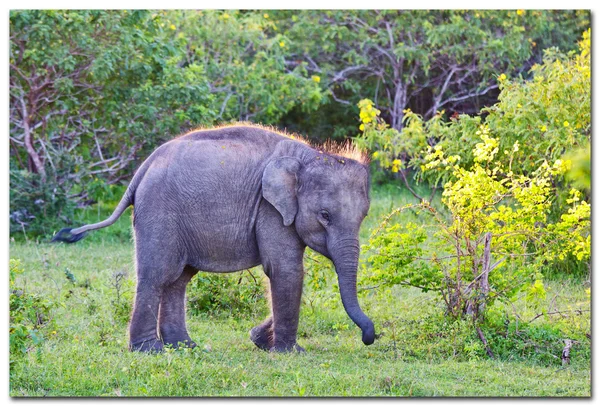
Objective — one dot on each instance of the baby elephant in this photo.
(231, 198)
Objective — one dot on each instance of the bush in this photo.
(226, 294)
(495, 241)
(29, 316)
(37, 208)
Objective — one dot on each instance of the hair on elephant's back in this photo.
(251, 130)
(241, 129)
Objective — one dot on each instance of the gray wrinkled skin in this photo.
(232, 198)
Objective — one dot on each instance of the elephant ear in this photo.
(279, 186)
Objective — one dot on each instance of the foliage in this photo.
(580, 174)
(496, 240)
(546, 117)
(29, 316)
(321, 288)
(90, 89)
(551, 114)
(226, 294)
(423, 59)
(243, 56)
(35, 206)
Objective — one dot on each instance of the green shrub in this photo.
(37, 208)
(29, 316)
(495, 240)
(226, 294)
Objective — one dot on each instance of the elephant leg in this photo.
(262, 335)
(286, 294)
(158, 266)
(171, 319)
(144, 320)
(281, 251)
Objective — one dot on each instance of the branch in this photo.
(38, 165)
(224, 105)
(468, 96)
(342, 74)
(103, 162)
(313, 63)
(485, 271)
(401, 171)
(558, 312)
(338, 99)
(485, 343)
(438, 98)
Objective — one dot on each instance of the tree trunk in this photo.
(38, 166)
(566, 353)
(398, 106)
(484, 285)
(475, 306)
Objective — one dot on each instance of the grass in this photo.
(84, 349)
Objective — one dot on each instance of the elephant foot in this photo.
(178, 344)
(262, 337)
(292, 348)
(152, 346)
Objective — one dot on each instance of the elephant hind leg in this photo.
(173, 330)
(156, 269)
(142, 329)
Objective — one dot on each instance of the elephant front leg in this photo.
(281, 251)
(262, 335)
(286, 294)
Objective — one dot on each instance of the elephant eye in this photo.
(325, 216)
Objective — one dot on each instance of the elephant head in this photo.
(326, 201)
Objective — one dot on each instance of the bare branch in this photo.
(403, 175)
(468, 96)
(338, 99)
(341, 75)
(40, 123)
(315, 66)
(224, 105)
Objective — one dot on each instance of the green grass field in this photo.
(90, 285)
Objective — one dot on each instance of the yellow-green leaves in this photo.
(385, 142)
(486, 150)
(368, 113)
(571, 235)
(536, 291)
(549, 114)
(485, 200)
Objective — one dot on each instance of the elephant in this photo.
(229, 198)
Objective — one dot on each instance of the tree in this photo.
(243, 57)
(88, 91)
(548, 117)
(93, 82)
(426, 60)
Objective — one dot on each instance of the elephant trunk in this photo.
(345, 260)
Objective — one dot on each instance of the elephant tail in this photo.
(71, 235)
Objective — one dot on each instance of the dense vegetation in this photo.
(476, 256)
(94, 92)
